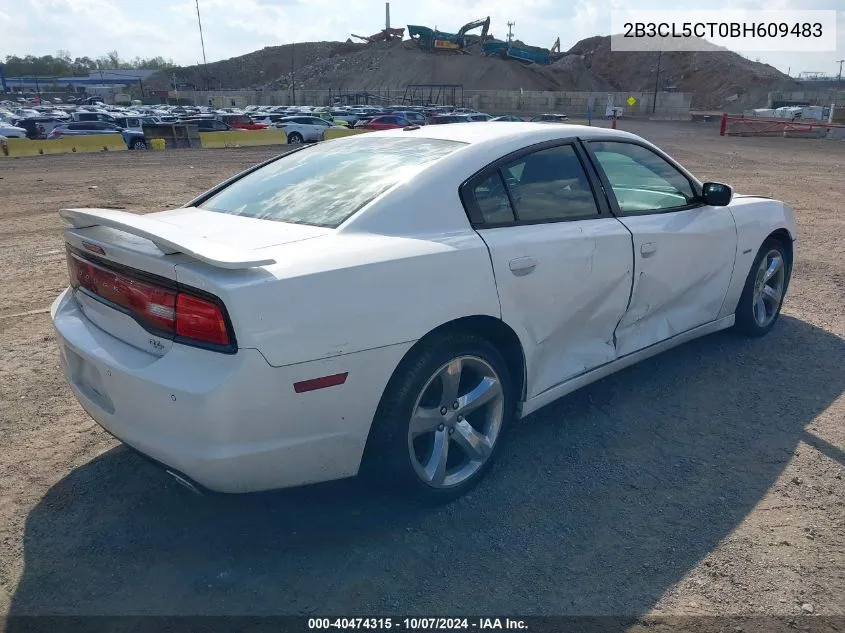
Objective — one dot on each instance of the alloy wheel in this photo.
(768, 288)
(456, 421)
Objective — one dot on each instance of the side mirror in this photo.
(716, 194)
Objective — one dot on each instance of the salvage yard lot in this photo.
(708, 480)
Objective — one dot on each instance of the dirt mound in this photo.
(715, 79)
(400, 64)
(253, 69)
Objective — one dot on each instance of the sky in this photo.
(149, 28)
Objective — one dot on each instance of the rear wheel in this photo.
(441, 419)
(765, 287)
(295, 138)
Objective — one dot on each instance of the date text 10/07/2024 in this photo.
(417, 624)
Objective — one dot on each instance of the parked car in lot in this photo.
(134, 123)
(37, 127)
(550, 118)
(267, 118)
(305, 129)
(383, 122)
(92, 116)
(388, 303)
(242, 122)
(440, 119)
(209, 124)
(414, 118)
(348, 116)
(12, 131)
(508, 117)
(133, 138)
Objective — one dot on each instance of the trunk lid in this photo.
(146, 249)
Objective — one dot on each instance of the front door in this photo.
(683, 250)
(563, 264)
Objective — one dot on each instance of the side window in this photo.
(550, 185)
(491, 198)
(641, 180)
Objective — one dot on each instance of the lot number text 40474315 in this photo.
(418, 624)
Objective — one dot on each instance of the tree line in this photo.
(62, 64)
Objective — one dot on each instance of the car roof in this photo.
(492, 131)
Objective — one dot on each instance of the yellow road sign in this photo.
(631, 101)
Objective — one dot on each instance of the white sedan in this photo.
(389, 303)
(12, 131)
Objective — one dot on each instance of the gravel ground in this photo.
(708, 480)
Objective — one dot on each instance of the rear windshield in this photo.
(327, 183)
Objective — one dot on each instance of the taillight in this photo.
(169, 312)
(200, 320)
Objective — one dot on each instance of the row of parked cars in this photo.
(302, 124)
(310, 124)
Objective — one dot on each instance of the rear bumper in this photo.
(230, 423)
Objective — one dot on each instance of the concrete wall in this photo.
(813, 97)
(670, 105)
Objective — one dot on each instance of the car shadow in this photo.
(598, 504)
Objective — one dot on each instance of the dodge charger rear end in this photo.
(244, 341)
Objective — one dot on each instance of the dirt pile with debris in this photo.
(717, 79)
(398, 64)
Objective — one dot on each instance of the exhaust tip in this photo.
(185, 482)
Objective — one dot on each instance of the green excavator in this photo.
(432, 39)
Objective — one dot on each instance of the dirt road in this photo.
(708, 480)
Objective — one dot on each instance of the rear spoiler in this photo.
(168, 238)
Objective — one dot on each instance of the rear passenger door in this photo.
(563, 264)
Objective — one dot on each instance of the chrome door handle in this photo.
(522, 266)
(648, 249)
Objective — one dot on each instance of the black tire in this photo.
(139, 143)
(747, 322)
(295, 138)
(387, 459)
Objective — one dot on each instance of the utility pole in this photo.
(839, 77)
(293, 72)
(510, 33)
(202, 43)
(656, 81)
